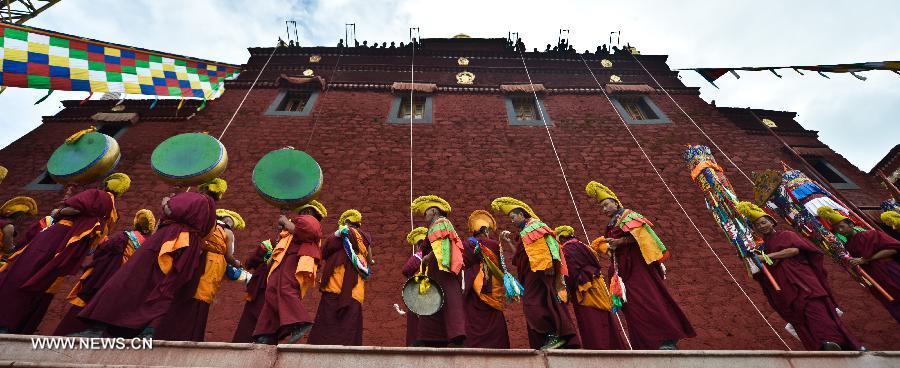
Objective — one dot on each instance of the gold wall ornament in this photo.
(462, 61)
(118, 108)
(315, 58)
(465, 78)
(606, 63)
(614, 79)
(769, 123)
(634, 51)
(308, 73)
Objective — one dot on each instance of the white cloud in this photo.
(855, 118)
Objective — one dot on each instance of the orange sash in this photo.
(215, 244)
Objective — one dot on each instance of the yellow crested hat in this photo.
(829, 214)
(3, 172)
(423, 203)
(479, 219)
(751, 211)
(507, 204)
(216, 186)
(118, 183)
(238, 220)
(19, 204)
(416, 235)
(315, 205)
(564, 230)
(146, 218)
(892, 219)
(601, 192)
(353, 215)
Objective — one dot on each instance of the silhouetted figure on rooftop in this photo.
(341, 43)
(393, 46)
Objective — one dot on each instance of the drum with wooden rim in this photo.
(88, 158)
(422, 295)
(189, 159)
(287, 178)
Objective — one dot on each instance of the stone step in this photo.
(18, 351)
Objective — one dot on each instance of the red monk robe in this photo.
(259, 262)
(544, 313)
(294, 263)
(410, 268)
(805, 299)
(339, 319)
(187, 316)
(485, 298)
(107, 259)
(885, 271)
(143, 290)
(590, 298)
(448, 325)
(653, 316)
(38, 268)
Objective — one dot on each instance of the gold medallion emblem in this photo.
(315, 58)
(308, 73)
(606, 63)
(614, 79)
(465, 78)
(462, 61)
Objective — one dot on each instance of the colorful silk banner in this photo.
(36, 58)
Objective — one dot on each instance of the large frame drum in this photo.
(287, 178)
(87, 159)
(189, 159)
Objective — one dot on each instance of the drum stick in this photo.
(874, 283)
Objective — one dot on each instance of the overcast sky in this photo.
(858, 119)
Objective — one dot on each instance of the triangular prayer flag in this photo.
(44, 98)
(711, 74)
(2, 88)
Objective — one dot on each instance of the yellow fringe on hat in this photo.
(19, 204)
(423, 203)
(118, 183)
(217, 186)
(3, 172)
(238, 220)
(353, 215)
(75, 137)
(416, 235)
(145, 217)
(316, 205)
(892, 219)
(750, 211)
(479, 219)
(564, 230)
(601, 192)
(505, 205)
(830, 215)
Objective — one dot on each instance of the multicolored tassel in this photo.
(617, 292)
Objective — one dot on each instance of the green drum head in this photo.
(287, 177)
(73, 159)
(187, 155)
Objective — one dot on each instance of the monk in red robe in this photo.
(654, 319)
(591, 302)
(38, 268)
(417, 239)
(485, 294)
(443, 263)
(12, 213)
(137, 296)
(542, 269)
(348, 257)
(106, 260)
(187, 316)
(877, 254)
(805, 300)
(295, 260)
(258, 262)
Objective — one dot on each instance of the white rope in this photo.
(689, 118)
(565, 179)
(666, 185)
(248, 93)
(412, 113)
(322, 99)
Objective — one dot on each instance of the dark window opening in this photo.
(638, 109)
(111, 129)
(525, 108)
(294, 101)
(826, 170)
(416, 108)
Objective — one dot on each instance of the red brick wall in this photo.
(469, 156)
